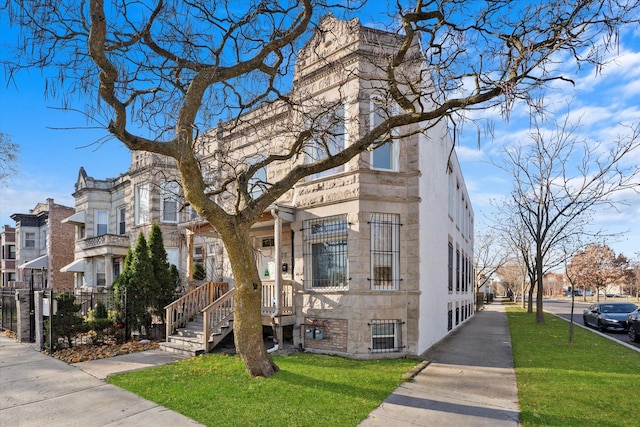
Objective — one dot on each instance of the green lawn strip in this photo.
(589, 382)
(309, 390)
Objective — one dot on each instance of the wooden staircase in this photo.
(189, 340)
(200, 320)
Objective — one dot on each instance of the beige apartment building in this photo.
(373, 258)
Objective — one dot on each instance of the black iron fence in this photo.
(8, 309)
(84, 317)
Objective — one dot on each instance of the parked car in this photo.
(608, 315)
(633, 319)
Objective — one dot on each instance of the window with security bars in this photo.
(385, 251)
(386, 336)
(325, 252)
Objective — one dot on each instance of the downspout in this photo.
(277, 231)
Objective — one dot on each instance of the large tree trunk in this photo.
(247, 321)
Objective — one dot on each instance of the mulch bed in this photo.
(85, 352)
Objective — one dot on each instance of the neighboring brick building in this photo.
(8, 255)
(44, 245)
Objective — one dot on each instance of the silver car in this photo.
(608, 315)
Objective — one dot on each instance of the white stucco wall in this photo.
(437, 227)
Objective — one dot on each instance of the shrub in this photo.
(66, 323)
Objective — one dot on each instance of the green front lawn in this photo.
(309, 390)
(592, 382)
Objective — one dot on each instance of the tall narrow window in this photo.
(122, 223)
(450, 287)
(43, 239)
(463, 268)
(385, 251)
(102, 220)
(29, 240)
(169, 202)
(452, 190)
(329, 138)
(457, 270)
(325, 252)
(258, 182)
(100, 272)
(385, 157)
(142, 204)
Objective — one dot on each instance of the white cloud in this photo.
(22, 195)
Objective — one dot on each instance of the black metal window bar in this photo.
(325, 252)
(449, 318)
(385, 251)
(386, 336)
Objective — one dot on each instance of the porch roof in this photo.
(286, 213)
(77, 266)
(36, 264)
(76, 218)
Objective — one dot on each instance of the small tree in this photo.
(121, 287)
(597, 267)
(199, 272)
(142, 285)
(164, 279)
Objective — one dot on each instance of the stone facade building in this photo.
(375, 255)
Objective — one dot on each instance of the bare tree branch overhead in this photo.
(190, 80)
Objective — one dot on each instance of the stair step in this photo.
(173, 347)
(186, 341)
(189, 332)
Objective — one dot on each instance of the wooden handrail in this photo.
(217, 314)
(286, 297)
(178, 313)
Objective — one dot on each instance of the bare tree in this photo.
(558, 180)
(9, 152)
(597, 267)
(514, 278)
(488, 257)
(164, 73)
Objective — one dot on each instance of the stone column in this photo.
(39, 311)
(23, 311)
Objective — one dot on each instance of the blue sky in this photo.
(601, 103)
(50, 158)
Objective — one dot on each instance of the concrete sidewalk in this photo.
(38, 390)
(469, 381)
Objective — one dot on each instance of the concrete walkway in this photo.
(38, 390)
(469, 381)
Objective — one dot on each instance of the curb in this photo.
(416, 370)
